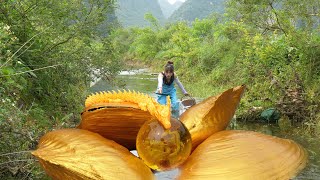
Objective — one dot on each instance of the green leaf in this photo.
(7, 71)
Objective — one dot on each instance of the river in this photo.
(146, 82)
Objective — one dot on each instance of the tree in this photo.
(49, 49)
(276, 15)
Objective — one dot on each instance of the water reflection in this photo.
(142, 83)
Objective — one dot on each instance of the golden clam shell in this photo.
(119, 115)
(244, 155)
(80, 154)
(211, 115)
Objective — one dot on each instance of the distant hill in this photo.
(192, 9)
(131, 12)
(167, 8)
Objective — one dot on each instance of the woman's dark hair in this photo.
(169, 67)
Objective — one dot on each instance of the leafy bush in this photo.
(46, 63)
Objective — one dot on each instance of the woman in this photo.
(166, 87)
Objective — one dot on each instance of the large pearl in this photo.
(163, 149)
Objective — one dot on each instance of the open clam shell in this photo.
(80, 154)
(119, 115)
(211, 115)
(244, 155)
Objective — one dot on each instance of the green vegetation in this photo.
(48, 50)
(271, 46)
(131, 13)
(197, 9)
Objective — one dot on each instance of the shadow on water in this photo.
(146, 82)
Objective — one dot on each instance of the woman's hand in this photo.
(160, 90)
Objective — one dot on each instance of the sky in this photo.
(173, 1)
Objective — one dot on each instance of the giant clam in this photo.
(86, 152)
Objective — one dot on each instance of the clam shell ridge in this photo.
(119, 115)
(244, 155)
(143, 102)
(80, 154)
